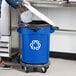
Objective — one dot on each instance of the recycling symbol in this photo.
(35, 45)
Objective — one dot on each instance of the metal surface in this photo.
(48, 3)
(5, 47)
(67, 30)
(52, 3)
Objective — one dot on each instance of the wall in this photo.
(14, 23)
(64, 17)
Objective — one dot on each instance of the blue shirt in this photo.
(0, 2)
(12, 3)
(0, 7)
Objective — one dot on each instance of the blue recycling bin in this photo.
(35, 45)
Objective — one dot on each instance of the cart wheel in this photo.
(47, 67)
(22, 67)
(34, 69)
(18, 59)
(43, 69)
(26, 69)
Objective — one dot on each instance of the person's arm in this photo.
(0, 7)
(0, 2)
(13, 3)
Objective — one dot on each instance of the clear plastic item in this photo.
(26, 16)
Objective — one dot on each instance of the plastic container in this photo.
(35, 44)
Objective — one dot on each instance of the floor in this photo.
(58, 67)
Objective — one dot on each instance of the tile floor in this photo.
(58, 67)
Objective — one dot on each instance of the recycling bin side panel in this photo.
(35, 48)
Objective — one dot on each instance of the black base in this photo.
(69, 56)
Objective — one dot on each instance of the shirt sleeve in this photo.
(0, 7)
(0, 2)
(13, 3)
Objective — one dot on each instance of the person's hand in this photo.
(21, 9)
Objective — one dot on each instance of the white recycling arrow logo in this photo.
(35, 45)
